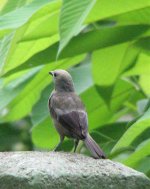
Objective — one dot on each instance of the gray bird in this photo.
(69, 115)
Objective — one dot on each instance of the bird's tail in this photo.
(94, 148)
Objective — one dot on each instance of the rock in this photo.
(46, 170)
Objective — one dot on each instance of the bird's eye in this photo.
(55, 74)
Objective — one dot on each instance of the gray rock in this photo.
(43, 170)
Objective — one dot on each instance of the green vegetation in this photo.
(105, 45)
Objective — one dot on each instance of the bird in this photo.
(69, 114)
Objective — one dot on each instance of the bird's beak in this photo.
(51, 73)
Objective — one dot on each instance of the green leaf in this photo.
(73, 14)
(144, 82)
(107, 8)
(3, 33)
(21, 15)
(86, 42)
(105, 92)
(142, 69)
(33, 35)
(121, 93)
(19, 52)
(9, 6)
(106, 65)
(142, 166)
(5, 46)
(13, 85)
(144, 45)
(134, 131)
(138, 16)
(142, 66)
(44, 23)
(45, 135)
(2, 4)
(139, 154)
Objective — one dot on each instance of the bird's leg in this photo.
(59, 144)
(76, 142)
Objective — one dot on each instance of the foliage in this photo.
(104, 45)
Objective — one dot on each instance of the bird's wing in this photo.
(69, 111)
(75, 122)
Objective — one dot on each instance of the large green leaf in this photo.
(5, 46)
(73, 14)
(142, 66)
(141, 69)
(132, 53)
(44, 23)
(86, 42)
(21, 15)
(44, 135)
(142, 166)
(102, 9)
(99, 113)
(139, 154)
(3, 33)
(138, 16)
(134, 131)
(33, 35)
(37, 35)
(2, 4)
(97, 39)
(8, 6)
(144, 83)
(106, 65)
(13, 85)
(20, 52)
(107, 8)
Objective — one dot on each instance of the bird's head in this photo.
(62, 81)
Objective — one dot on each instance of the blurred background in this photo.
(105, 45)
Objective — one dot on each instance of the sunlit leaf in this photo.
(107, 8)
(144, 82)
(8, 6)
(142, 66)
(15, 85)
(33, 35)
(21, 15)
(139, 154)
(73, 14)
(134, 131)
(106, 65)
(86, 42)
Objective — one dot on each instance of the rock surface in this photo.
(43, 170)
